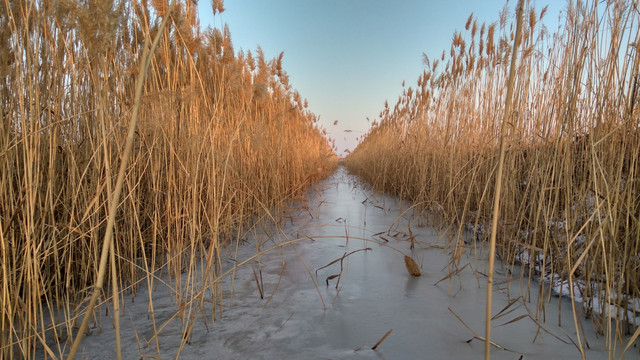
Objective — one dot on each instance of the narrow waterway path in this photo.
(301, 317)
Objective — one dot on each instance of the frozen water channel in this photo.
(375, 294)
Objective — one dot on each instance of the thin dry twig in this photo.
(381, 339)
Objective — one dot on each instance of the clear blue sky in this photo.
(346, 57)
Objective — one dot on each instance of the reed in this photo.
(222, 139)
(569, 208)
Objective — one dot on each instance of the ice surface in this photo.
(375, 294)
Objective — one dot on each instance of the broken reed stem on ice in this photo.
(381, 339)
(496, 201)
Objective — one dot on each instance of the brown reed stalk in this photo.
(63, 109)
(568, 208)
(508, 115)
(115, 201)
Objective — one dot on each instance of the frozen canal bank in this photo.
(375, 294)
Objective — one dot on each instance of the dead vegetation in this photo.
(222, 140)
(570, 202)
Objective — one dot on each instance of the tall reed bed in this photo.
(222, 140)
(570, 203)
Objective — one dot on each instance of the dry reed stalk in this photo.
(475, 334)
(381, 339)
(115, 197)
(498, 188)
(568, 205)
(188, 189)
